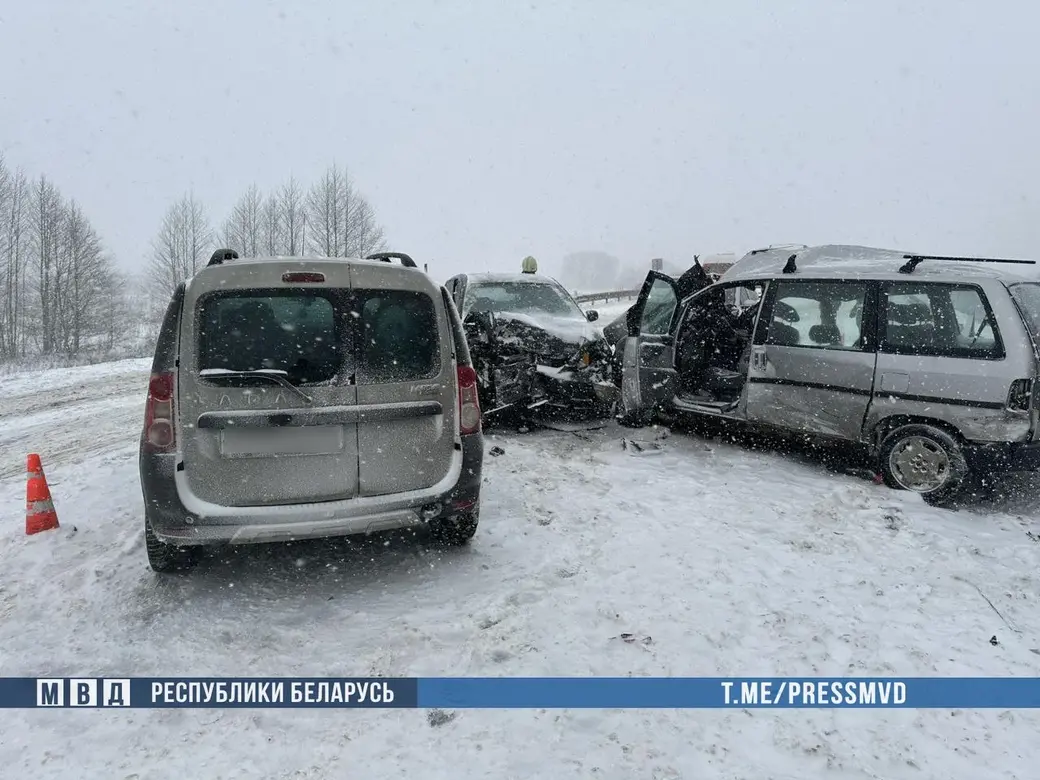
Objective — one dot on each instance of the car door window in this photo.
(658, 309)
(818, 315)
(940, 320)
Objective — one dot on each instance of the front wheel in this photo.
(926, 460)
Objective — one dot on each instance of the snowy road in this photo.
(732, 562)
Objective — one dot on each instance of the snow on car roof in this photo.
(503, 278)
(845, 261)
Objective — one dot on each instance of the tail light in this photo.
(1020, 396)
(469, 403)
(158, 414)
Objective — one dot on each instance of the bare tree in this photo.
(181, 248)
(340, 221)
(272, 231)
(291, 207)
(364, 235)
(55, 277)
(84, 280)
(14, 200)
(243, 230)
(46, 219)
(325, 229)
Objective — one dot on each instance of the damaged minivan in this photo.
(536, 352)
(927, 361)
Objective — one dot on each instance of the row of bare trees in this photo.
(59, 294)
(331, 218)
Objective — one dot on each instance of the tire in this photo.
(165, 558)
(925, 460)
(458, 529)
(637, 419)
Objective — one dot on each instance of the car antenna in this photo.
(790, 268)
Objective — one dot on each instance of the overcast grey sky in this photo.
(484, 131)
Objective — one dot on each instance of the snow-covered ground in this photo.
(731, 562)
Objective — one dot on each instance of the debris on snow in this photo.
(641, 447)
(496, 451)
(993, 640)
(631, 639)
(991, 604)
(437, 717)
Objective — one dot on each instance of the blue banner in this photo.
(522, 692)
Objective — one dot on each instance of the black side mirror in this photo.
(592, 315)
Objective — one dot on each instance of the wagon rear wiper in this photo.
(271, 374)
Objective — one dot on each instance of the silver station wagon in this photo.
(928, 361)
(296, 398)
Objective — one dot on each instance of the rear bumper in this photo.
(1003, 456)
(173, 523)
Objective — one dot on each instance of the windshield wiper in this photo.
(274, 375)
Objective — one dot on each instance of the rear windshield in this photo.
(521, 298)
(313, 336)
(300, 332)
(400, 340)
(1027, 296)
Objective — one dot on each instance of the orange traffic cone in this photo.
(39, 508)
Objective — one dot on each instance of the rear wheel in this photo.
(457, 529)
(926, 460)
(164, 557)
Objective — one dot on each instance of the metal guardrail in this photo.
(611, 295)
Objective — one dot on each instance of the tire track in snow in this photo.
(71, 424)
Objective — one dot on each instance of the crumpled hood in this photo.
(546, 335)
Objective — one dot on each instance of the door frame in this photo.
(639, 370)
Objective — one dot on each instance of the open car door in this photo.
(648, 373)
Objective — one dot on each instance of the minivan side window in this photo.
(400, 339)
(818, 315)
(939, 320)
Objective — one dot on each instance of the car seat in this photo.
(910, 327)
(784, 335)
(825, 335)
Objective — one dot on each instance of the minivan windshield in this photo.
(1027, 296)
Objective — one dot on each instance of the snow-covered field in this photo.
(731, 562)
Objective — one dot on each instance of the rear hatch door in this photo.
(406, 380)
(266, 388)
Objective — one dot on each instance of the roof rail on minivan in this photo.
(221, 255)
(912, 261)
(777, 246)
(386, 257)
